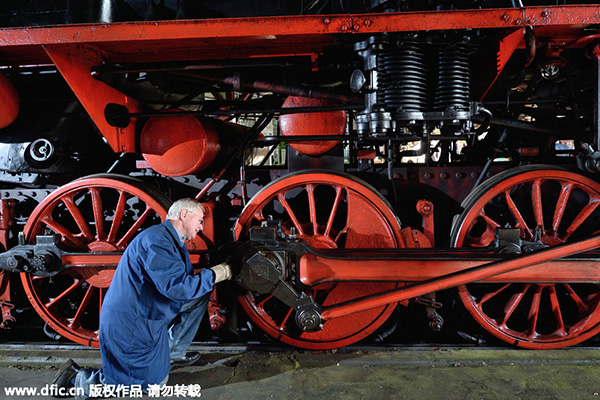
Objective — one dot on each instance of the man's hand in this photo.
(222, 272)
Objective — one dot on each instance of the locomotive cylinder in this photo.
(178, 145)
(317, 123)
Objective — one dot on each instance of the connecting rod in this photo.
(468, 275)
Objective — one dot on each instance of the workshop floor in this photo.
(413, 373)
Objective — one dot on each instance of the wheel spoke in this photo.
(561, 205)
(134, 228)
(536, 200)
(98, 213)
(76, 321)
(63, 232)
(334, 208)
(582, 216)
(69, 290)
(78, 217)
(517, 214)
(534, 310)
(118, 217)
(288, 209)
(101, 294)
(560, 323)
(491, 295)
(259, 216)
(310, 190)
(490, 222)
(340, 234)
(261, 304)
(285, 319)
(489, 234)
(582, 307)
(513, 303)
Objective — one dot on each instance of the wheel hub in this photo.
(97, 276)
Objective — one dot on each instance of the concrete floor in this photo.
(402, 373)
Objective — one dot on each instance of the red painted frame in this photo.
(75, 49)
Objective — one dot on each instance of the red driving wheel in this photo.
(554, 206)
(332, 211)
(96, 214)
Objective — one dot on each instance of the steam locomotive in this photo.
(363, 156)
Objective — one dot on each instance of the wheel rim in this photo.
(328, 211)
(94, 214)
(562, 207)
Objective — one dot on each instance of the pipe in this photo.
(113, 113)
(507, 123)
(51, 333)
(289, 90)
(491, 158)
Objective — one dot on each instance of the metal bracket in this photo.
(508, 241)
(428, 302)
(267, 272)
(42, 258)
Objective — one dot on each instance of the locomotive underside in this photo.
(360, 162)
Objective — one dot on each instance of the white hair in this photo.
(183, 204)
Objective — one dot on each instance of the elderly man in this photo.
(153, 307)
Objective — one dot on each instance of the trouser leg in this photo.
(185, 325)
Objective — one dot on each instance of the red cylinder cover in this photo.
(317, 123)
(179, 145)
(9, 102)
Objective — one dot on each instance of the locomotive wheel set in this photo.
(355, 158)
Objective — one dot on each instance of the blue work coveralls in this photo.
(151, 283)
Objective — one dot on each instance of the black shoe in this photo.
(189, 359)
(64, 377)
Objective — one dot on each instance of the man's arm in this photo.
(167, 270)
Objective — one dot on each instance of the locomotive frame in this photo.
(331, 264)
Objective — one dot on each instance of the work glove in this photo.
(222, 272)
